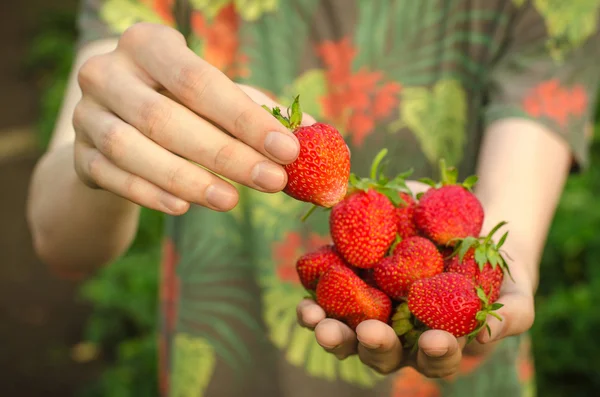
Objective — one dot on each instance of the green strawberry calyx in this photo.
(406, 326)
(485, 250)
(379, 182)
(294, 114)
(449, 176)
(481, 316)
(402, 319)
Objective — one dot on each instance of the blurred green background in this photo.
(122, 299)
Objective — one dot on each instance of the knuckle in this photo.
(78, 118)
(95, 164)
(174, 178)
(142, 33)
(130, 186)
(191, 82)
(136, 34)
(154, 116)
(91, 72)
(242, 122)
(111, 141)
(223, 157)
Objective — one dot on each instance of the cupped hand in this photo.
(152, 108)
(379, 347)
(439, 353)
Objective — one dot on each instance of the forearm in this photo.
(75, 229)
(522, 170)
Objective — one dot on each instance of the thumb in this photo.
(517, 314)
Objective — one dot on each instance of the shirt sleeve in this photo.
(548, 72)
(105, 19)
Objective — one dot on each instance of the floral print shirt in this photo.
(422, 78)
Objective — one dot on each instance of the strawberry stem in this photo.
(308, 213)
(376, 162)
(294, 114)
(492, 232)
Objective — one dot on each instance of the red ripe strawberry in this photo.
(363, 227)
(345, 297)
(367, 275)
(450, 302)
(311, 266)
(480, 260)
(404, 214)
(414, 258)
(449, 211)
(319, 175)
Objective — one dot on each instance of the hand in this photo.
(151, 108)
(439, 353)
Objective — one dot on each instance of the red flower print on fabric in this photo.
(163, 8)
(410, 383)
(355, 100)
(169, 295)
(549, 99)
(287, 252)
(221, 41)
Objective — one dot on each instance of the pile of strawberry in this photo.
(416, 262)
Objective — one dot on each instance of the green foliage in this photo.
(567, 358)
(50, 60)
(123, 295)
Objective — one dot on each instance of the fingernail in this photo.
(268, 176)
(281, 146)
(369, 346)
(435, 352)
(221, 197)
(172, 203)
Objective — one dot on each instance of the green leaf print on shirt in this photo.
(121, 14)
(215, 305)
(194, 359)
(311, 86)
(249, 10)
(278, 239)
(569, 23)
(275, 45)
(437, 117)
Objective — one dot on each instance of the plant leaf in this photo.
(470, 182)
(481, 256)
(502, 241)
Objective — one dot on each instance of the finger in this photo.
(179, 130)
(208, 92)
(131, 151)
(309, 313)
(439, 353)
(379, 346)
(336, 338)
(517, 314)
(90, 163)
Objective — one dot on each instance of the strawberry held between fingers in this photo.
(311, 266)
(345, 297)
(414, 258)
(449, 211)
(319, 175)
